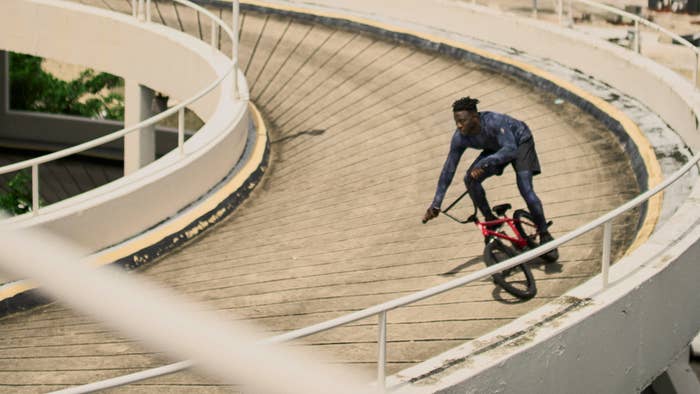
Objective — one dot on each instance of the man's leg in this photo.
(534, 205)
(477, 192)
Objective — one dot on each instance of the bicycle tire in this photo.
(495, 252)
(527, 228)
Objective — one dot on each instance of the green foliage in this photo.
(33, 89)
(18, 199)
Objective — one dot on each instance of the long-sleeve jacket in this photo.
(499, 139)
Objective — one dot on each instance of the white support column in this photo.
(679, 378)
(4, 82)
(4, 92)
(140, 145)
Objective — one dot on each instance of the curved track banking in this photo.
(360, 128)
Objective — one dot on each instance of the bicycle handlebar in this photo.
(471, 218)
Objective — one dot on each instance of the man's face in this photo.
(468, 122)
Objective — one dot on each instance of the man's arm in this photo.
(448, 172)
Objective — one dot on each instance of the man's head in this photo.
(466, 116)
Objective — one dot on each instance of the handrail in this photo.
(637, 20)
(112, 136)
(382, 309)
(643, 21)
(179, 108)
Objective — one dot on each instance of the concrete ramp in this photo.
(360, 128)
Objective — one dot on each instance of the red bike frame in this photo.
(518, 241)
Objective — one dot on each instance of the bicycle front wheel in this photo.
(518, 280)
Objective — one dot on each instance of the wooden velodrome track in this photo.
(360, 128)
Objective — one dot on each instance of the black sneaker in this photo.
(552, 255)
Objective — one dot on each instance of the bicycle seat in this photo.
(501, 209)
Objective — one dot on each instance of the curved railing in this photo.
(138, 12)
(381, 310)
(637, 43)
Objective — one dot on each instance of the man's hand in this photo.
(476, 173)
(431, 213)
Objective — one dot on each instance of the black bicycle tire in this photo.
(498, 278)
(518, 217)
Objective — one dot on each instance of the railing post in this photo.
(234, 47)
(134, 10)
(534, 8)
(571, 13)
(35, 189)
(181, 131)
(637, 39)
(560, 11)
(140, 11)
(381, 359)
(607, 243)
(148, 11)
(214, 34)
(695, 71)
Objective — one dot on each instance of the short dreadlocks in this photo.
(465, 104)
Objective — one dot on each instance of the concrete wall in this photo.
(181, 66)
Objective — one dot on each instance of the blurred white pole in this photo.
(227, 350)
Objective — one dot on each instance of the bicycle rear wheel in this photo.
(527, 228)
(517, 281)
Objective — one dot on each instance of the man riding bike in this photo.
(503, 140)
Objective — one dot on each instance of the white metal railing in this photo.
(382, 310)
(138, 12)
(637, 44)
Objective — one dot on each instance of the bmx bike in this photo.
(500, 246)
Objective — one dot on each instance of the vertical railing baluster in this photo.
(35, 189)
(181, 131)
(140, 12)
(560, 11)
(214, 34)
(381, 359)
(134, 11)
(148, 11)
(534, 8)
(637, 39)
(234, 47)
(695, 71)
(607, 243)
